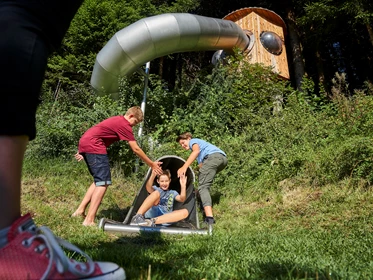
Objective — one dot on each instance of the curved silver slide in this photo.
(157, 36)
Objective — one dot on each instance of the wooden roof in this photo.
(265, 13)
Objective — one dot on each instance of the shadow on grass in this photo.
(116, 214)
(138, 254)
(154, 255)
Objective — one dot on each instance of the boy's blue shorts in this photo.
(99, 167)
(154, 212)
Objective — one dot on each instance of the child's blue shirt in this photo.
(167, 199)
(205, 148)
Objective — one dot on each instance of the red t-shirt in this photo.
(96, 139)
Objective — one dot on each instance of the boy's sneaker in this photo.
(210, 220)
(150, 222)
(35, 253)
(138, 220)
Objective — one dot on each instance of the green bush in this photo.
(269, 132)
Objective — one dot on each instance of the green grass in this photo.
(291, 232)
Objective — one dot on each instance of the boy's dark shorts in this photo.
(23, 59)
(99, 167)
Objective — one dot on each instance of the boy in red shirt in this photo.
(92, 148)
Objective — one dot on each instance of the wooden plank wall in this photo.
(257, 21)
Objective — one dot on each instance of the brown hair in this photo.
(165, 172)
(184, 136)
(136, 112)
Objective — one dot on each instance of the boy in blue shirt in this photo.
(157, 208)
(211, 160)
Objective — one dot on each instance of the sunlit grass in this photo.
(290, 232)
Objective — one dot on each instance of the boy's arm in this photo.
(191, 158)
(182, 196)
(154, 165)
(150, 182)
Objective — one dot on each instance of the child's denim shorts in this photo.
(99, 167)
(154, 212)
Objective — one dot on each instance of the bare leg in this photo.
(172, 217)
(96, 198)
(208, 211)
(12, 150)
(149, 202)
(86, 200)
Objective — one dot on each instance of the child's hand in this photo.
(181, 171)
(183, 180)
(78, 157)
(156, 167)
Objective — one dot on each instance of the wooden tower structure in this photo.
(267, 32)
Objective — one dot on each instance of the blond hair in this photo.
(136, 112)
(184, 136)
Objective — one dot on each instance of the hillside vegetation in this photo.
(295, 201)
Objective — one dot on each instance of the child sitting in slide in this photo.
(157, 208)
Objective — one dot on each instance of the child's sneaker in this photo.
(138, 220)
(210, 220)
(150, 222)
(35, 253)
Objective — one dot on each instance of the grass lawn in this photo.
(292, 232)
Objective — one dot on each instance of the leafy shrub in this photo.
(60, 125)
(269, 131)
(226, 101)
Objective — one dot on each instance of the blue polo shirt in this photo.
(205, 148)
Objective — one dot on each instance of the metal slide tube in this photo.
(127, 229)
(157, 36)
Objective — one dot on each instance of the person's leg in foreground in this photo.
(210, 167)
(28, 252)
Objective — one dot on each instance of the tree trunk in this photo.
(297, 63)
(370, 32)
(320, 69)
(160, 70)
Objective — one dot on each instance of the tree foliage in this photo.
(225, 101)
(335, 37)
(270, 130)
